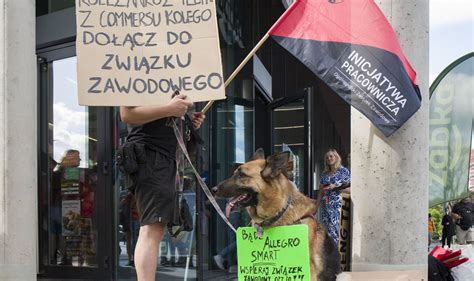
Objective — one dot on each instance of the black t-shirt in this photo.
(156, 135)
(466, 211)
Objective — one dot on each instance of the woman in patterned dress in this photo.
(334, 175)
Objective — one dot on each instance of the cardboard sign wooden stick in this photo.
(139, 52)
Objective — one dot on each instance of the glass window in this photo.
(233, 144)
(289, 135)
(72, 184)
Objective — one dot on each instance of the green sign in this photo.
(281, 254)
(71, 173)
(451, 118)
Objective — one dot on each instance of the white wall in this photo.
(18, 146)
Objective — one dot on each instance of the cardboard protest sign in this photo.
(138, 52)
(281, 254)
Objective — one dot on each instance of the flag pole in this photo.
(239, 68)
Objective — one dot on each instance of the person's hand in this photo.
(198, 118)
(327, 187)
(179, 105)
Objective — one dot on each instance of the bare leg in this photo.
(146, 251)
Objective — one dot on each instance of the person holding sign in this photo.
(153, 179)
(333, 177)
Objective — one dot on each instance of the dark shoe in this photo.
(166, 262)
(219, 260)
(180, 263)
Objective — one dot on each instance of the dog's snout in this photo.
(214, 189)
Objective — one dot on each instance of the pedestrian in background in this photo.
(448, 228)
(335, 175)
(463, 213)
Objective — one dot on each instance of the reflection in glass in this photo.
(233, 145)
(289, 135)
(72, 149)
(50, 6)
(128, 226)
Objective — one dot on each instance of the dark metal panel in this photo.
(262, 117)
(262, 76)
(57, 52)
(310, 146)
(56, 28)
(42, 158)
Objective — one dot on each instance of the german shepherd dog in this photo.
(262, 187)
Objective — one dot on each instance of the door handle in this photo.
(106, 262)
(105, 168)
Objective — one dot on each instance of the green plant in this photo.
(437, 216)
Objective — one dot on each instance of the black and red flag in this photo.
(350, 45)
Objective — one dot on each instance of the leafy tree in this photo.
(437, 216)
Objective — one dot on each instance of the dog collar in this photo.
(272, 220)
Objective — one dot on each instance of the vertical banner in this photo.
(281, 254)
(345, 233)
(139, 52)
(450, 131)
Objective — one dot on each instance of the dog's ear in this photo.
(276, 164)
(259, 154)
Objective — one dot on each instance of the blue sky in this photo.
(451, 32)
(70, 120)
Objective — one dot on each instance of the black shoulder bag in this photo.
(128, 157)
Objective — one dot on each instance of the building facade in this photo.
(66, 213)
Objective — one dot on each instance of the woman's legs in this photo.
(335, 224)
(450, 239)
(444, 237)
(330, 218)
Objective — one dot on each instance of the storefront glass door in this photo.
(240, 126)
(88, 220)
(73, 177)
(232, 143)
(289, 135)
(291, 127)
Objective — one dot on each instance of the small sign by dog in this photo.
(280, 254)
